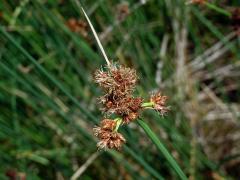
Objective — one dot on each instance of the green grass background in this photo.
(48, 100)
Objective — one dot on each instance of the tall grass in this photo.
(48, 99)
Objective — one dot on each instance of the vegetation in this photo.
(48, 98)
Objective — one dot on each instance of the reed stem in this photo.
(162, 149)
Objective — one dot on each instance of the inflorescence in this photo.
(118, 83)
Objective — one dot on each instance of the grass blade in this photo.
(162, 149)
(48, 75)
(141, 161)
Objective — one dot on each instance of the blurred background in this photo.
(48, 100)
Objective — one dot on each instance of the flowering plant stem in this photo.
(147, 105)
(162, 149)
(119, 122)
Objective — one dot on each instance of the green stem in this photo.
(147, 105)
(162, 149)
(218, 9)
(119, 122)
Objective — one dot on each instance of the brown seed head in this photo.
(104, 79)
(158, 99)
(109, 139)
(78, 26)
(109, 104)
(126, 78)
(130, 117)
(117, 80)
(122, 11)
(159, 102)
(136, 104)
(122, 105)
(108, 124)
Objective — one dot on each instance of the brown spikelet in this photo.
(104, 79)
(78, 26)
(159, 102)
(122, 105)
(119, 83)
(136, 104)
(130, 117)
(109, 139)
(122, 11)
(108, 124)
(117, 80)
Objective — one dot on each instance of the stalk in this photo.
(119, 122)
(162, 149)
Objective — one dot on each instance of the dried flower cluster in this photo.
(13, 174)
(118, 83)
(78, 26)
(159, 102)
(109, 138)
(123, 11)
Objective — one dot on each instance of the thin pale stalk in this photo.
(95, 35)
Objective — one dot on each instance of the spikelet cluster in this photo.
(107, 136)
(118, 83)
(123, 11)
(78, 26)
(159, 102)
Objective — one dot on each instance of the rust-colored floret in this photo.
(78, 26)
(159, 102)
(109, 139)
(122, 105)
(130, 117)
(122, 11)
(117, 80)
(108, 124)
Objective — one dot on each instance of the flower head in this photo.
(122, 105)
(109, 139)
(108, 124)
(159, 102)
(122, 11)
(78, 26)
(130, 117)
(117, 80)
(118, 83)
